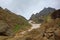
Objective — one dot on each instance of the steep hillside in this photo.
(11, 23)
(38, 17)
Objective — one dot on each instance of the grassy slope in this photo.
(14, 21)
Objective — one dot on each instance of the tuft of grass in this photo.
(16, 28)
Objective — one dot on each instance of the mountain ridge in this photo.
(46, 11)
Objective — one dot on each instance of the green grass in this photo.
(17, 27)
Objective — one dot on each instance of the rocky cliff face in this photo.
(38, 17)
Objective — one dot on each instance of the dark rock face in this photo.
(3, 28)
(56, 14)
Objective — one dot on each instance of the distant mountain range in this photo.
(37, 17)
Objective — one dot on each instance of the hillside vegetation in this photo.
(11, 23)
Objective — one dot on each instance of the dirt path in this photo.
(34, 26)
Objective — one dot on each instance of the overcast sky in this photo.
(27, 7)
